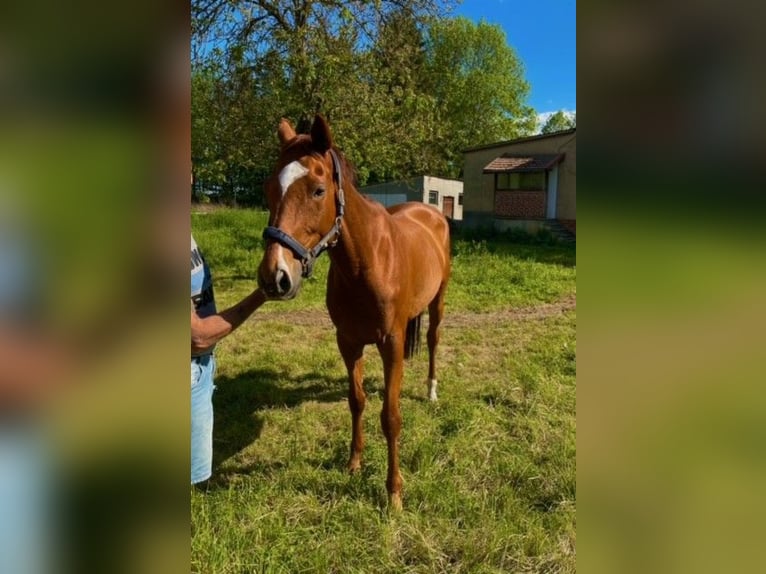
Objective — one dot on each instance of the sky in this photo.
(543, 34)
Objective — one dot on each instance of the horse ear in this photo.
(285, 131)
(321, 137)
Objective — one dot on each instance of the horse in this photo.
(386, 267)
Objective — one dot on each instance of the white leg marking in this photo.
(289, 174)
(432, 389)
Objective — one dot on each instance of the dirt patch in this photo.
(468, 319)
(306, 317)
(320, 317)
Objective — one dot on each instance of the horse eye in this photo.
(319, 192)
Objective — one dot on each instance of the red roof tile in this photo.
(507, 163)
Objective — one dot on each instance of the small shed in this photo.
(527, 183)
(445, 194)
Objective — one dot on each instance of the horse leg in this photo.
(392, 352)
(435, 316)
(353, 357)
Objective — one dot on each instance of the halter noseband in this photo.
(309, 256)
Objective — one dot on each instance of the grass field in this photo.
(489, 470)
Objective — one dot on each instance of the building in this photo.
(527, 183)
(446, 194)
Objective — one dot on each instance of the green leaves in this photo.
(479, 84)
(559, 121)
(404, 88)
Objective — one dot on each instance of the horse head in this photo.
(306, 202)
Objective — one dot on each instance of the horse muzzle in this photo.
(279, 276)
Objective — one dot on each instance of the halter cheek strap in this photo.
(309, 256)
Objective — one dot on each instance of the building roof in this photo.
(508, 163)
(520, 140)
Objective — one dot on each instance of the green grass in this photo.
(489, 470)
(488, 274)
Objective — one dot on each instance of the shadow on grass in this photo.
(238, 403)
(238, 400)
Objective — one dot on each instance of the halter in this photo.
(309, 256)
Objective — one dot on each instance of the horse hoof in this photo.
(432, 390)
(395, 502)
(353, 466)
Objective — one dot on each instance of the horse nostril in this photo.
(284, 284)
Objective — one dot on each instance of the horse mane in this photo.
(349, 176)
(349, 169)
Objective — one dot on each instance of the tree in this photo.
(478, 83)
(294, 59)
(558, 122)
(307, 34)
(406, 90)
(232, 148)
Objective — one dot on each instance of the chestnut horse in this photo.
(386, 267)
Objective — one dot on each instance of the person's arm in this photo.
(207, 331)
(33, 366)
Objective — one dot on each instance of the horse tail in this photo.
(412, 338)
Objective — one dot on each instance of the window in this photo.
(507, 181)
(526, 181)
(460, 199)
(520, 195)
(433, 197)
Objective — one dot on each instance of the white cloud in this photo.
(542, 117)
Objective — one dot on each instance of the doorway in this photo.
(448, 206)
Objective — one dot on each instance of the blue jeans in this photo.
(26, 486)
(202, 371)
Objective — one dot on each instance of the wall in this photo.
(445, 187)
(528, 204)
(395, 192)
(566, 206)
(416, 189)
(479, 189)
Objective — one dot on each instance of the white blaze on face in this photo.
(281, 263)
(290, 173)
